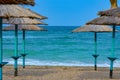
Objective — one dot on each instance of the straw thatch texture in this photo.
(11, 11)
(104, 20)
(22, 21)
(38, 15)
(30, 2)
(111, 12)
(93, 28)
(24, 27)
(7, 11)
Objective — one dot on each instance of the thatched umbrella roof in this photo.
(11, 11)
(93, 28)
(37, 15)
(104, 20)
(22, 21)
(24, 27)
(111, 12)
(30, 2)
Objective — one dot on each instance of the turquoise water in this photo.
(59, 47)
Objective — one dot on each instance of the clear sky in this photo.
(69, 12)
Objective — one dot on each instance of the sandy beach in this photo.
(59, 73)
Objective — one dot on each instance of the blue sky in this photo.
(69, 12)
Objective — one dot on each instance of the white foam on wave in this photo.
(56, 63)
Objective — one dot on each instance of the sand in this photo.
(59, 73)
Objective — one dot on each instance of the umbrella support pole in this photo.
(112, 58)
(24, 53)
(16, 57)
(111, 65)
(15, 66)
(95, 63)
(23, 56)
(1, 51)
(95, 55)
(1, 66)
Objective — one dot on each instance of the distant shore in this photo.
(59, 73)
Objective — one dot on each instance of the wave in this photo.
(55, 63)
(11, 37)
(28, 36)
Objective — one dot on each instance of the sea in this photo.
(60, 47)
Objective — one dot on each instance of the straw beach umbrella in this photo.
(95, 29)
(24, 28)
(11, 11)
(110, 20)
(28, 2)
(114, 11)
(38, 15)
(111, 12)
(105, 20)
(19, 21)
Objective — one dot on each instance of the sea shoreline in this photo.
(59, 73)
